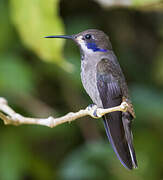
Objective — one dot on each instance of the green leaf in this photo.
(158, 66)
(15, 75)
(7, 35)
(148, 103)
(144, 2)
(13, 154)
(138, 4)
(90, 161)
(35, 19)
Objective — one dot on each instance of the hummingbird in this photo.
(105, 83)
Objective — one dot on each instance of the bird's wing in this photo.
(117, 124)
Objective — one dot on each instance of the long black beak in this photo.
(62, 36)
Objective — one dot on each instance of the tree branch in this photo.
(9, 116)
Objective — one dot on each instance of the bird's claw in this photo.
(124, 106)
(93, 111)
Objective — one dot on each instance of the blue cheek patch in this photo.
(94, 47)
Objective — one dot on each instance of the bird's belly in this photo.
(89, 81)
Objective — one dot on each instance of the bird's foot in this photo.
(93, 111)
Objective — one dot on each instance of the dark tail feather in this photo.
(118, 129)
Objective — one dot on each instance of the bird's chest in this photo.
(88, 77)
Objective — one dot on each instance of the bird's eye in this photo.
(88, 36)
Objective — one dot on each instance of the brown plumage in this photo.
(104, 82)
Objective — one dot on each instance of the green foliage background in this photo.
(41, 77)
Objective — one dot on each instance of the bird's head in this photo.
(91, 40)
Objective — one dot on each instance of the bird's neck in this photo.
(91, 49)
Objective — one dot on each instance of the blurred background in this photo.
(41, 77)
